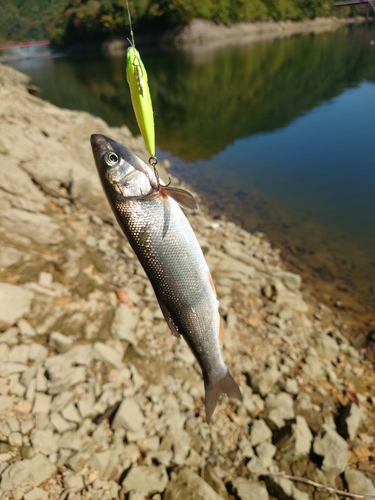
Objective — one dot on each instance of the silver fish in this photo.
(148, 212)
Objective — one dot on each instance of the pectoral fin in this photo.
(183, 198)
(168, 318)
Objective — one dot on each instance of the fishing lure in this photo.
(140, 93)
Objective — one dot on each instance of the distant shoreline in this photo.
(207, 35)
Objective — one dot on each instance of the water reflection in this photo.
(205, 101)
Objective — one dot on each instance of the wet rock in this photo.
(129, 416)
(246, 489)
(14, 303)
(333, 448)
(189, 486)
(27, 474)
(358, 483)
(146, 479)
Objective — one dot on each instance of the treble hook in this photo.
(153, 161)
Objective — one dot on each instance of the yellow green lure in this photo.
(140, 94)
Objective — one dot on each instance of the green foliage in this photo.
(71, 21)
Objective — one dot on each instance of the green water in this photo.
(278, 136)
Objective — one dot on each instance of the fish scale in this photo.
(169, 252)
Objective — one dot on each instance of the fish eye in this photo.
(111, 158)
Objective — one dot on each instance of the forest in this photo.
(66, 22)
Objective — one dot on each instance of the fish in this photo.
(150, 215)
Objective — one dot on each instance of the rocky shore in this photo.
(99, 401)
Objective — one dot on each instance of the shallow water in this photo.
(278, 136)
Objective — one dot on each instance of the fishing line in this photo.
(140, 95)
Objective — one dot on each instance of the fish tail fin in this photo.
(227, 385)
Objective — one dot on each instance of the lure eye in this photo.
(111, 159)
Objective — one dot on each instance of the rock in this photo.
(327, 347)
(14, 303)
(73, 483)
(284, 489)
(62, 378)
(302, 438)
(260, 432)
(246, 489)
(266, 451)
(61, 425)
(291, 386)
(42, 403)
(86, 406)
(358, 483)
(107, 354)
(70, 440)
(292, 281)
(36, 494)
(255, 466)
(38, 227)
(10, 256)
(146, 479)
(333, 448)
(27, 474)
(212, 480)
(105, 462)
(189, 486)
(19, 354)
(264, 381)
(125, 323)
(44, 441)
(129, 416)
(6, 402)
(280, 408)
(71, 414)
(350, 420)
(60, 342)
(83, 456)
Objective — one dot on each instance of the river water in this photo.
(278, 136)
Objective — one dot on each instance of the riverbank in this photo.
(98, 400)
(206, 35)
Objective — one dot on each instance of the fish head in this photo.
(121, 170)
